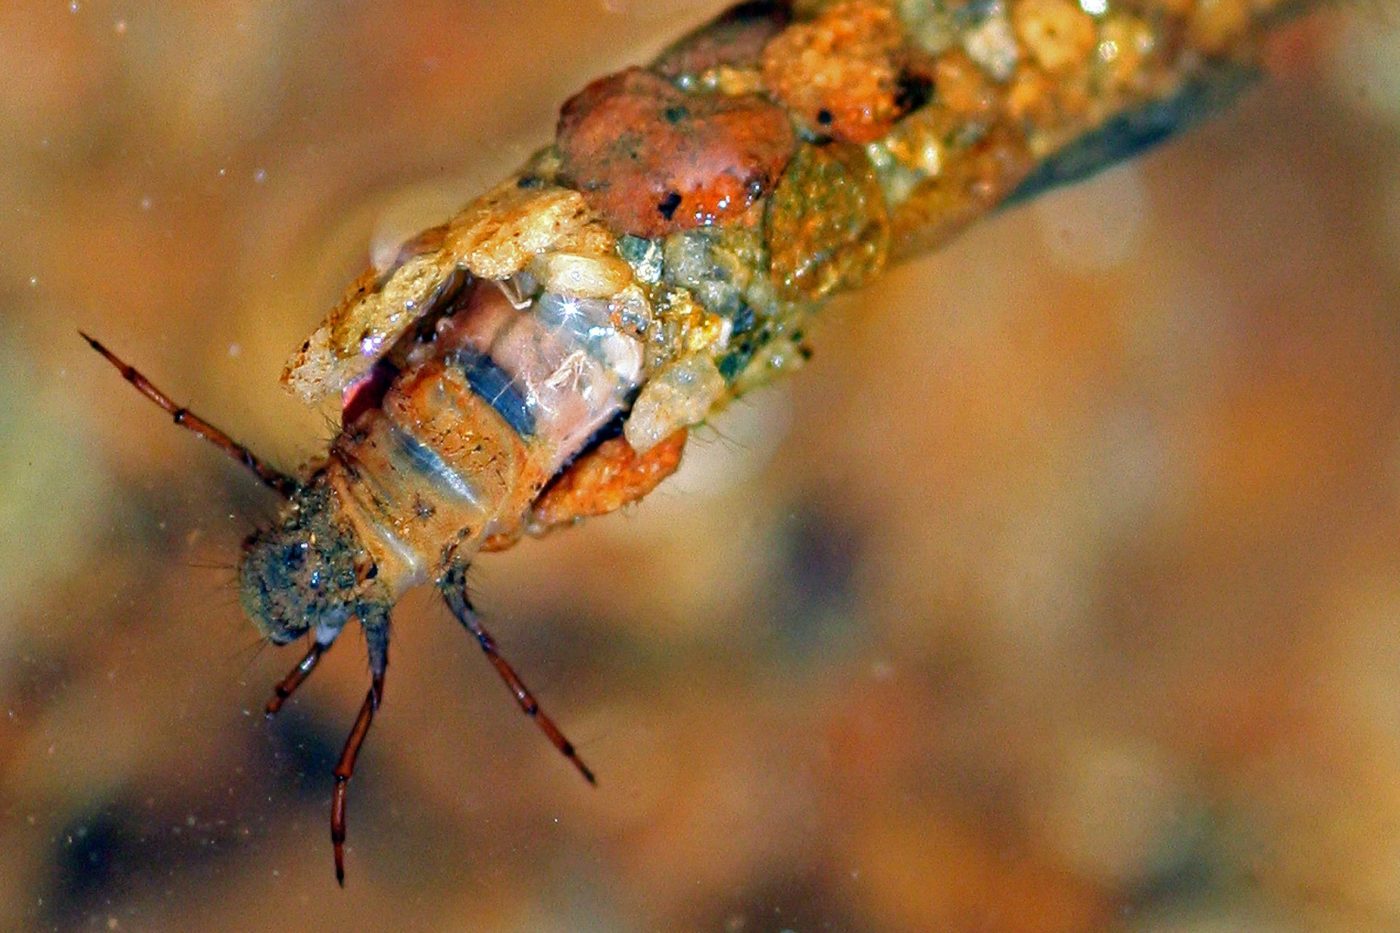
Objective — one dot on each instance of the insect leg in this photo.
(454, 591)
(325, 637)
(280, 482)
(377, 635)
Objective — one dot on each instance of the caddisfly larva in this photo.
(540, 357)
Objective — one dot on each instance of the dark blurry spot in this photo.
(820, 554)
(30, 680)
(744, 318)
(128, 848)
(734, 362)
(89, 852)
(1189, 866)
(669, 204)
(914, 91)
(781, 902)
(758, 9)
(304, 748)
(978, 10)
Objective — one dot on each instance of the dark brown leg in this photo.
(378, 638)
(454, 590)
(185, 418)
(288, 685)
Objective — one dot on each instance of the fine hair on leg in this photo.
(454, 590)
(377, 638)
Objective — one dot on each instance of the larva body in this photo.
(452, 455)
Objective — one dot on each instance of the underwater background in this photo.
(1060, 591)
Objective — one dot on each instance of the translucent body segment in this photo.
(498, 388)
(464, 441)
(436, 467)
(574, 370)
(494, 237)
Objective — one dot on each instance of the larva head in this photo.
(306, 572)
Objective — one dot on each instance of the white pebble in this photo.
(680, 395)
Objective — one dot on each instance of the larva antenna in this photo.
(278, 481)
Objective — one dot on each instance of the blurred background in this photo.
(1061, 592)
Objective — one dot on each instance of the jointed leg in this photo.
(289, 684)
(454, 590)
(185, 418)
(377, 635)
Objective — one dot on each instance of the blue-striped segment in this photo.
(425, 461)
(498, 388)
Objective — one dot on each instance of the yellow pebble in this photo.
(1057, 33)
(1216, 24)
(1124, 42)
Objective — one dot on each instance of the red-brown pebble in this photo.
(600, 481)
(653, 159)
